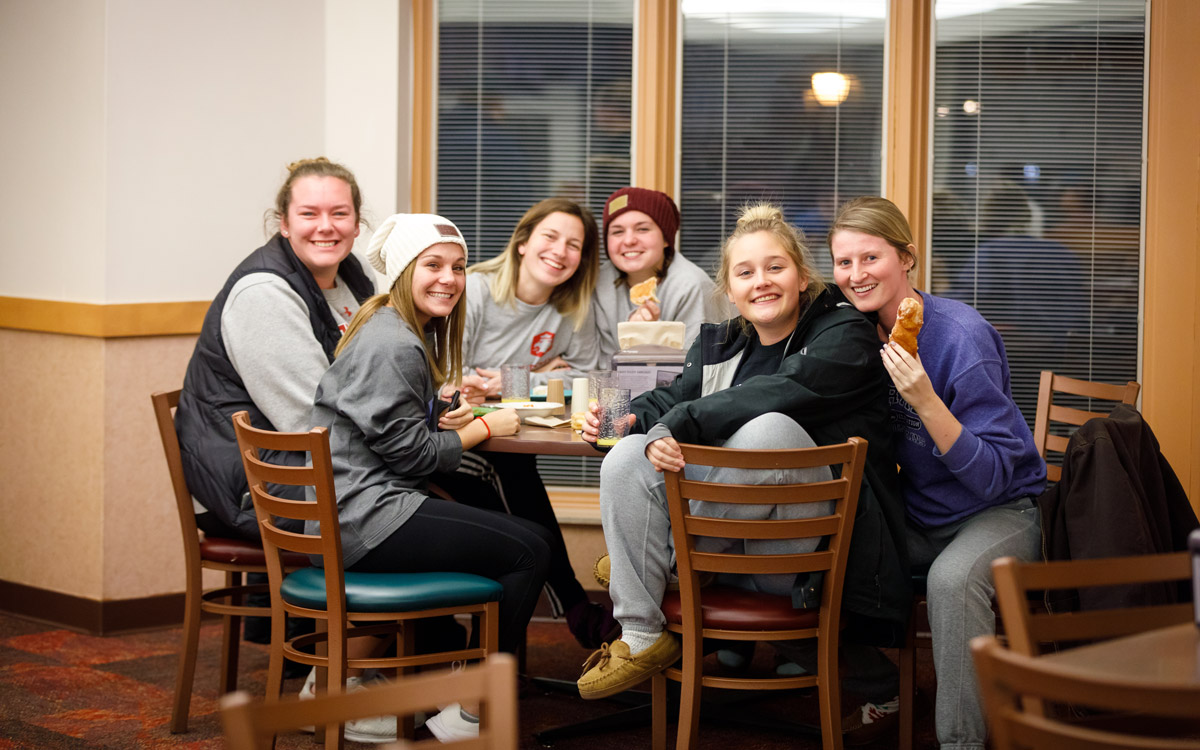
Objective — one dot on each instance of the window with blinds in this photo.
(533, 101)
(781, 102)
(1037, 179)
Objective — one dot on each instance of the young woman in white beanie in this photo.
(388, 432)
(531, 305)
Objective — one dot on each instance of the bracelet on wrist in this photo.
(485, 426)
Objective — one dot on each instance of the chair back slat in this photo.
(1011, 682)
(305, 544)
(763, 494)
(251, 724)
(796, 458)
(726, 562)
(285, 507)
(728, 528)
(1106, 623)
(1027, 630)
(1049, 413)
(293, 476)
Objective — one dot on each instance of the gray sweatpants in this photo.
(960, 591)
(637, 526)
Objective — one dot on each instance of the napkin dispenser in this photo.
(644, 368)
(639, 333)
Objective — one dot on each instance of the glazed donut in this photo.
(909, 318)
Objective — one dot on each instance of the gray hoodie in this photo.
(376, 399)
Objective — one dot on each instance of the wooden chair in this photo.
(1049, 412)
(335, 598)
(726, 612)
(1029, 628)
(234, 557)
(1012, 682)
(250, 724)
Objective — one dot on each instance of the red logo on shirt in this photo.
(541, 344)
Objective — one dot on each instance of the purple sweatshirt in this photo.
(993, 460)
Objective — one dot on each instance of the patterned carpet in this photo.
(60, 689)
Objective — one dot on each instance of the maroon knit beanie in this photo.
(658, 206)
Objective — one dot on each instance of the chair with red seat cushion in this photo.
(234, 557)
(729, 613)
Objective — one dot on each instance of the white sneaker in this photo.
(449, 725)
(373, 730)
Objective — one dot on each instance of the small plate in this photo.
(529, 408)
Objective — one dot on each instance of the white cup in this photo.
(579, 402)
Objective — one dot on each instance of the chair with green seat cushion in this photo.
(392, 592)
(342, 602)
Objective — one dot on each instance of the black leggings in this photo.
(526, 497)
(452, 537)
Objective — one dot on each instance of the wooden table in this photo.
(545, 441)
(1166, 657)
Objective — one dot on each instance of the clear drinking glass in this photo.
(614, 415)
(514, 383)
(599, 380)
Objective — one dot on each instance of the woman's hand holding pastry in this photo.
(647, 311)
(665, 455)
(909, 376)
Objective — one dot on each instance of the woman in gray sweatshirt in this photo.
(388, 432)
(532, 305)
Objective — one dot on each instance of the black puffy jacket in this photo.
(832, 383)
(213, 391)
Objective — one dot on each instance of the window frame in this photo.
(1169, 372)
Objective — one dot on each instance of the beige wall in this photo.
(52, 462)
(150, 136)
(52, 82)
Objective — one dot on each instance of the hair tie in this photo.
(485, 426)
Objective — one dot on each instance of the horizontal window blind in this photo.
(781, 102)
(533, 101)
(1037, 174)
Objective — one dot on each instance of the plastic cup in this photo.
(599, 380)
(514, 383)
(614, 415)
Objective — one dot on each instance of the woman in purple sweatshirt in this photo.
(968, 467)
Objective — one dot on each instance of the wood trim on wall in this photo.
(906, 169)
(1171, 323)
(656, 72)
(424, 121)
(102, 321)
(90, 615)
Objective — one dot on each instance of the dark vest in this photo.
(213, 391)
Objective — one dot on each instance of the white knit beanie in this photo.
(402, 237)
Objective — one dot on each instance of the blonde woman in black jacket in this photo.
(799, 367)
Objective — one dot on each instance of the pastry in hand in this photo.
(642, 293)
(909, 318)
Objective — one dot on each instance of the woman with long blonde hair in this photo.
(389, 432)
(532, 305)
